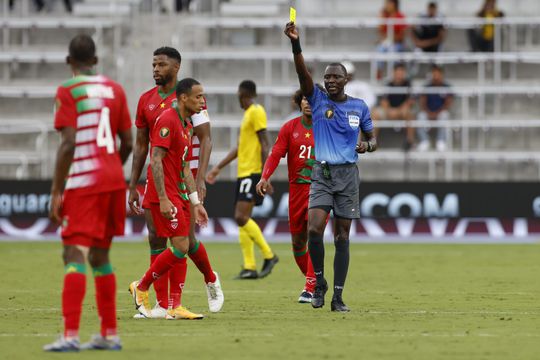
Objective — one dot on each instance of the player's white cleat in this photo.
(63, 344)
(98, 342)
(156, 313)
(141, 299)
(215, 295)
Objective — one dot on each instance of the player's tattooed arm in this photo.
(156, 163)
(188, 179)
(203, 134)
(265, 145)
(64, 158)
(369, 145)
(304, 77)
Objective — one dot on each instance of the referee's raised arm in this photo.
(306, 82)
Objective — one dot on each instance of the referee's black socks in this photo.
(316, 252)
(341, 265)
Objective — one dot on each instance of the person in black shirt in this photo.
(429, 37)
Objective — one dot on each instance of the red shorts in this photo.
(146, 202)
(298, 207)
(92, 220)
(179, 226)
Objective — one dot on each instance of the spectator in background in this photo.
(434, 106)
(358, 89)
(482, 39)
(182, 5)
(391, 41)
(429, 37)
(397, 106)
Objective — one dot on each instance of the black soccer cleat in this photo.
(246, 274)
(318, 295)
(268, 266)
(338, 305)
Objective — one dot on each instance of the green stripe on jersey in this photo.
(71, 268)
(79, 79)
(89, 104)
(184, 196)
(305, 172)
(102, 270)
(310, 162)
(79, 91)
(303, 181)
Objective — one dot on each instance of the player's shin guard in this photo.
(316, 253)
(341, 264)
(161, 285)
(72, 297)
(161, 265)
(105, 282)
(199, 256)
(177, 278)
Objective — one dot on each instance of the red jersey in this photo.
(96, 106)
(399, 26)
(295, 139)
(170, 133)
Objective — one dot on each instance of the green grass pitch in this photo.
(407, 301)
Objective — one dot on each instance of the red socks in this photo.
(166, 260)
(177, 278)
(161, 285)
(304, 264)
(199, 256)
(105, 282)
(72, 297)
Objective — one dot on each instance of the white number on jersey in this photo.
(104, 133)
(303, 150)
(245, 186)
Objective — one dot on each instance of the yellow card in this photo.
(292, 15)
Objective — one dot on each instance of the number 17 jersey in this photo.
(97, 108)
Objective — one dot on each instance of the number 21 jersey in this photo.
(97, 108)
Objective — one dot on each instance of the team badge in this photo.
(295, 135)
(354, 119)
(329, 113)
(151, 107)
(164, 132)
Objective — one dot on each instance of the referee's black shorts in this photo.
(339, 191)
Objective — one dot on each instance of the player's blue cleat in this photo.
(63, 345)
(98, 342)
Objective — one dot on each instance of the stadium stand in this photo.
(223, 43)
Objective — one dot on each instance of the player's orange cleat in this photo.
(181, 313)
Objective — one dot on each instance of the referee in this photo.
(337, 121)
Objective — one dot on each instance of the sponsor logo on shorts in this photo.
(174, 224)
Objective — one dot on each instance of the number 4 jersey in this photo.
(96, 106)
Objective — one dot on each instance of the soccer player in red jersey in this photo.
(170, 213)
(166, 64)
(88, 192)
(295, 139)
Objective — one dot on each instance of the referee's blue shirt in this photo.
(336, 126)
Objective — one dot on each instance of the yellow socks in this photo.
(255, 234)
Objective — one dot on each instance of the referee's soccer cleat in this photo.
(141, 299)
(215, 295)
(338, 305)
(181, 313)
(157, 312)
(63, 344)
(246, 274)
(98, 342)
(268, 266)
(318, 295)
(305, 297)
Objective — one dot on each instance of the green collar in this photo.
(304, 124)
(163, 95)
